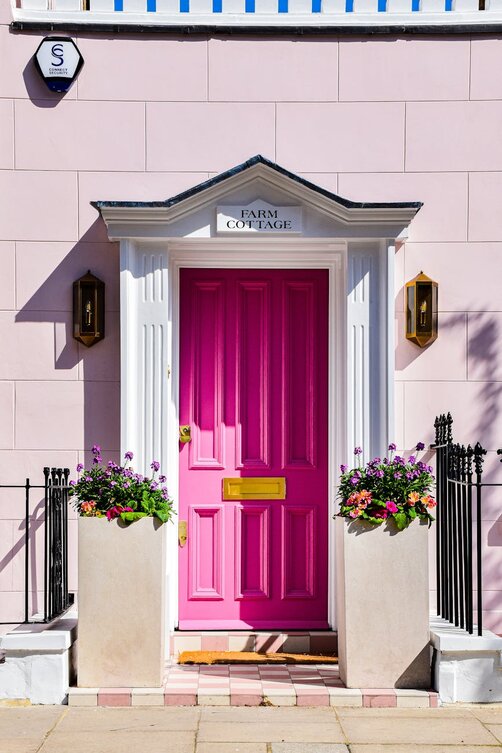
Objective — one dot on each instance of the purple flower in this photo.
(162, 479)
(398, 475)
(72, 483)
(354, 480)
(129, 455)
(111, 464)
(155, 465)
(96, 449)
(398, 460)
(97, 460)
(154, 485)
(80, 467)
(412, 459)
(376, 461)
(165, 493)
(343, 468)
(88, 478)
(420, 446)
(358, 451)
(409, 475)
(113, 483)
(139, 478)
(385, 461)
(379, 474)
(430, 468)
(392, 447)
(127, 485)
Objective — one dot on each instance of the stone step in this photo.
(319, 642)
(244, 685)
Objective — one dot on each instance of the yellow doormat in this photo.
(249, 657)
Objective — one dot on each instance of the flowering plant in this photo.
(117, 491)
(394, 487)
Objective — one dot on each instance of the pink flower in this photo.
(381, 514)
(391, 506)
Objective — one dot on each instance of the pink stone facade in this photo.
(374, 119)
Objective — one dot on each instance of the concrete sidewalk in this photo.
(60, 729)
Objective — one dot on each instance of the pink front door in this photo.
(253, 389)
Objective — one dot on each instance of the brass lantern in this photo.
(422, 310)
(88, 309)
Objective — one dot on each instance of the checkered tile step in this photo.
(245, 685)
(323, 642)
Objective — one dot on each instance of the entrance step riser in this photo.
(319, 643)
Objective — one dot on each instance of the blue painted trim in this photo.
(217, 6)
(151, 6)
(349, 6)
(119, 5)
(415, 5)
(448, 4)
(283, 6)
(316, 6)
(184, 6)
(382, 6)
(250, 6)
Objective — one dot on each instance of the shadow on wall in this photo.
(70, 393)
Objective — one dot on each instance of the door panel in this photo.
(253, 388)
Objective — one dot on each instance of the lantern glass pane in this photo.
(88, 308)
(424, 308)
(410, 310)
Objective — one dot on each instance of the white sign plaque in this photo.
(259, 217)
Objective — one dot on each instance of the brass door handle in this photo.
(185, 434)
(182, 532)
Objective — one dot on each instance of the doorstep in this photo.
(252, 685)
(323, 642)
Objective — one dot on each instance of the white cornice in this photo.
(262, 177)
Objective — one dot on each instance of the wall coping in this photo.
(37, 637)
(447, 638)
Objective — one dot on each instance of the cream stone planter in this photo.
(382, 598)
(121, 603)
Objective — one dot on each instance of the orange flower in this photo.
(88, 507)
(428, 501)
(413, 498)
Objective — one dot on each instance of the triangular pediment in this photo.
(261, 192)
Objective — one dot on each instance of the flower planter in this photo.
(382, 597)
(121, 603)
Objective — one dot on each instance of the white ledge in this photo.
(450, 639)
(198, 15)
(36, 637)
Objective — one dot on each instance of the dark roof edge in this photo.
(258, 160)
(208, 29)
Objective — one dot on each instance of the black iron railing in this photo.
(459, 491)
(56, 597)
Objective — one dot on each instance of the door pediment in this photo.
(303, 209)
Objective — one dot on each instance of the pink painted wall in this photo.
(374, 119)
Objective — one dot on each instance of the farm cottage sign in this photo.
(259, 217)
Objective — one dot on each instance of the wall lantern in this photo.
(88, 309)
(422, 310)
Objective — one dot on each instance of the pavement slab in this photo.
(462, 730)
(416, 748)
(271, 731)
(29, 722)
(82, 719)
(130, 741)
(232, 748)
(309, 748)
